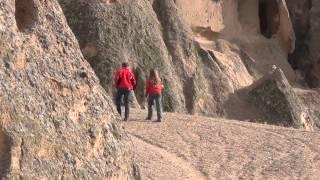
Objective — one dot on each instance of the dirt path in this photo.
(193, 147)
(180, 169)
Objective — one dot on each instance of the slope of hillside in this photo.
(194, 147)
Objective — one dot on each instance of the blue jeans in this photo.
(126, 94)
(157, 99)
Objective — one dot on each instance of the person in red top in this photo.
(154, 89)
(124, 81)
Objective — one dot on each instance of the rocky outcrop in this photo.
(112, 32)
(56, 121)
(142, 33)
(274, 95)
(202, 59)
(306, 57)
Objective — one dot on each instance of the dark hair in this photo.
(125, 64)
(154, 75)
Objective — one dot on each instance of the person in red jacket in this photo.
(124, 81)
(154, 89)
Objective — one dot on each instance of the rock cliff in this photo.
(207, 52)
(306, 58)
(56, 121)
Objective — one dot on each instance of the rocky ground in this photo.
(194, 147)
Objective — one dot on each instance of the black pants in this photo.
(126, 93)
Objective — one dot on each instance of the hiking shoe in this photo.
(159, 120)
(148, 119)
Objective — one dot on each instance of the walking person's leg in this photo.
(118, 101)
(159, 107)
(126, 104)
(150, 111)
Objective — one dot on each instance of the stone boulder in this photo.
(311, 98)
(274, 95)
(56, 121)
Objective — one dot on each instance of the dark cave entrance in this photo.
(25, 14)
(269, 17)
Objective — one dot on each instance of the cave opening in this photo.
(25, 14)
(269, 17)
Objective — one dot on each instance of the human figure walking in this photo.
(154, 89)
(124, 81)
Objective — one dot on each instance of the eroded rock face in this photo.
(150, 35)
(274, 95)
(56, 121)
(112, 32)
(206, 51)
(306, 57)
(311, 98)
(314, 33)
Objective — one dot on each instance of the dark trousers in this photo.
(126, 94)
(157, 99)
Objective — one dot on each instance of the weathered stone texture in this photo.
(274, 95)
(311, 98)
(306, 57)
(149, 35)
(56, 121)
(206, 51)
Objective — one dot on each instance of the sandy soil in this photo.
(193, 147)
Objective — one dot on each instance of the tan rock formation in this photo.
(261, 28)
(121, 31)
(274, 95)
(206, 51)
(56, 121)
(133, 30)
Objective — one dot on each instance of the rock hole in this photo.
(7, 65)
(83, 75)
(5, 145)
(269, 17)
(25, 14)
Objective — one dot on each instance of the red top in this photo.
(153, 88)
(124, 78)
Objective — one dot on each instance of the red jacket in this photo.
(153, 88)
(124, 78)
